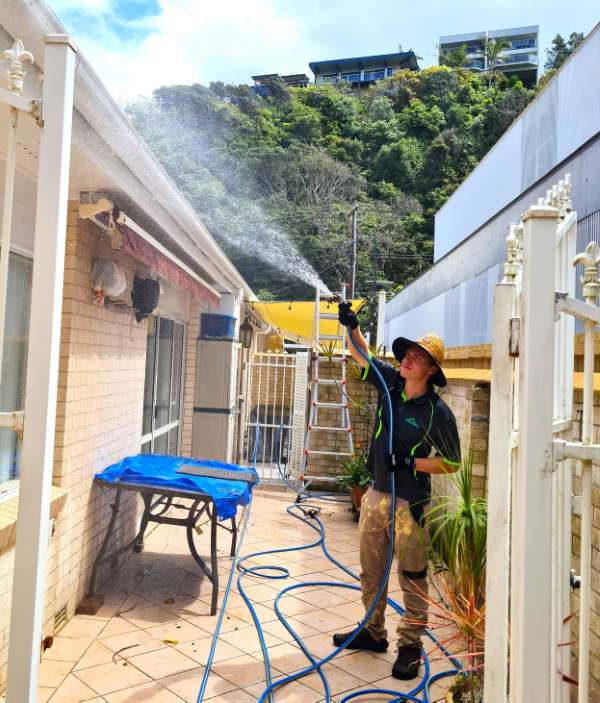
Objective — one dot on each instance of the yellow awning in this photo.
(295, 320)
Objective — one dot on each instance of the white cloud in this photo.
(189, 41)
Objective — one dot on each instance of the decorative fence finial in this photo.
(513, 254)
(590, 258)
(559, 196)
(16, 72)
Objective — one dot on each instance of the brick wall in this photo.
(99, 413)
(470, 403)
(99, 421)
(576, 525)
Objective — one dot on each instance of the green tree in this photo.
(454, 58)
(283, 171)
(400, 163)
(560, 50)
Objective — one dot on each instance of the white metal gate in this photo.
(532, 460)
(276, 413)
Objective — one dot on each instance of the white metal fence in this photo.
(275, 412)
(532, 460)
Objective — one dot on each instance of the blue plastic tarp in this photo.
(157, 470)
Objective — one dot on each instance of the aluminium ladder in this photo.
(338, 403)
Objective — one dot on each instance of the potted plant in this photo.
(458, 529)
(356, 477)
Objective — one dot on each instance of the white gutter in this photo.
(161, 199)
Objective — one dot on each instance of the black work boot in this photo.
(364, 640)
(407, 662)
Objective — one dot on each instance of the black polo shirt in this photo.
(421, 425)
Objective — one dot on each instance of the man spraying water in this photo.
(425, 441)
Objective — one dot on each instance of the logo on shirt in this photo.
(412, 421)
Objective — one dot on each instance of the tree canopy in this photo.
(561, 49)
(275, 178)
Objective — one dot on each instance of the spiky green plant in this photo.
(458, 528)
(355, 471)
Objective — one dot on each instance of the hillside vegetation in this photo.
(259, 170)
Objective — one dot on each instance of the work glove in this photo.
(346, 315)
(400, 461)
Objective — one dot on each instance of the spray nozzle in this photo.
(333, 298)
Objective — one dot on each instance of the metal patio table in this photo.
(157, 501)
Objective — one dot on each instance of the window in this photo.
(517, 58)
(374, 75)
(353, 77)
(522, 43)
(162, 389)
(14, 363)
(330, 78)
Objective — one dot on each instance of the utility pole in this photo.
(353, 276)
(381, 298)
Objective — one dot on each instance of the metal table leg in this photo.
(213, 558)
(138, 542)
(233, 536)
(212, 573)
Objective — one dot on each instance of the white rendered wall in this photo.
(461, 315)
(561, 119)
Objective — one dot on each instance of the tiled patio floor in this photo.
(151, 638)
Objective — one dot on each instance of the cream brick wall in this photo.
(595, 581)
(470, 403)
(99, 421)
(99, 414)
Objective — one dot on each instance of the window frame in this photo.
(10, 488)
(155, 434)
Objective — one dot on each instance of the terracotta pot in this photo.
(357, 494)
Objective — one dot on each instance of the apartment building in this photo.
(519, 58)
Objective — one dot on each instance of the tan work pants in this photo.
(412, 554)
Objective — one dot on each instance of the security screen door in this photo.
(162, 391)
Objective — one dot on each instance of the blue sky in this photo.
(137, 45)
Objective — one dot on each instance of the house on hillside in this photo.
(520, 58)
(362, 71)
(125, 385)
(294, 80)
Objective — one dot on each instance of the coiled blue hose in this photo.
(309, 514)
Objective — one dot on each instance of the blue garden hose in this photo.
(308, 515)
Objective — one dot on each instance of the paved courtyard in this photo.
(150, 640)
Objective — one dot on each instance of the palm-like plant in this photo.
(492, 49)
(458, 528)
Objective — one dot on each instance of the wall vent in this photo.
(60, 619)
